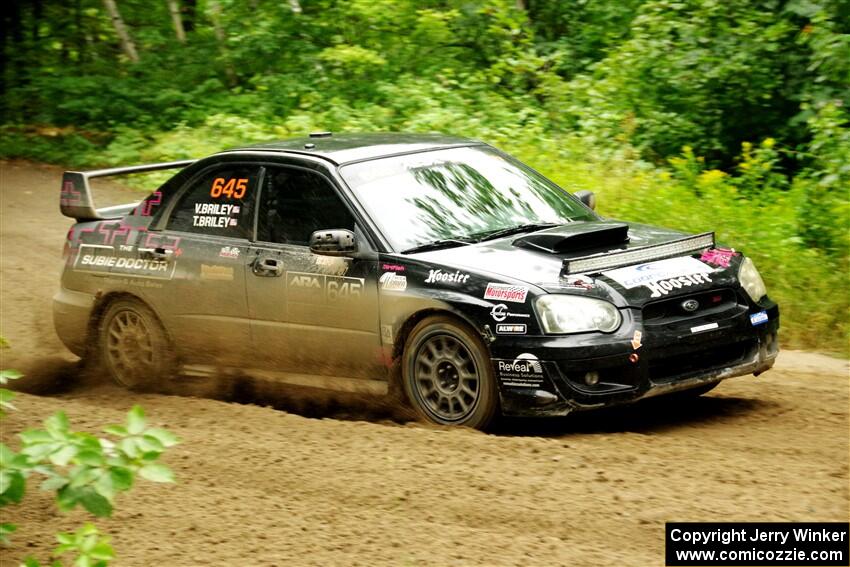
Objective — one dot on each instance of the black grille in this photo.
(670, 368)
(671, 310)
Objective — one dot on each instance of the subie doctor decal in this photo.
(505, 292)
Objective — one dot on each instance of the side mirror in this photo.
(333, 242)
(586, 197)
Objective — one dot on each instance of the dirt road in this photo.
(355, 486)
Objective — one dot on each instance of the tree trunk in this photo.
(190, 7)
(127, 44)
(174, 9)
(221, 38)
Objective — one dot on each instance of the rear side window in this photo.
(294, 203)
(219, 203)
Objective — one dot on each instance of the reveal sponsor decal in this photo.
(500, 312)
(391, 281)
(759, 318)
(101, 259)
(506, 292)
(439, 276)
(392, 267)
(524, 371)
(215, 215)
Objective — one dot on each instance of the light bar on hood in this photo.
(600, 262)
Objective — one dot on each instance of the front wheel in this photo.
(447, 374)
(133, 345)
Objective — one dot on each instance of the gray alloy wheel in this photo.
(133, 345)
(447, 374)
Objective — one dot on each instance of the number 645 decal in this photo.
(230, 188)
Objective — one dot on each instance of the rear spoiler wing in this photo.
(76, 199)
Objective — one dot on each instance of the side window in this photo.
(294, 203)
(219, 203)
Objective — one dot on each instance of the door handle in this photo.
(269, 267)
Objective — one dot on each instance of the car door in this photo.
(310, 314)
(207, 236)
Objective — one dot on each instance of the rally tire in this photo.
(133, 346)
(447, 374)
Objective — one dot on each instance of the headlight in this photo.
(751, 280)
(574, 314)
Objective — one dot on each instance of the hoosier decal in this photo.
(505, 292)
(446, 277)
(664, 287)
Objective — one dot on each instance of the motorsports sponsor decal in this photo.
(391, 281)
(663, 276)
(439, 276)
(101, 259)
(500, 312)
(506, 292)
(524, 371)
(215, 215)
(319, 289)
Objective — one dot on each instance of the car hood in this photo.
(537, 259)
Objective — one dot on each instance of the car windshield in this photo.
(458, 194)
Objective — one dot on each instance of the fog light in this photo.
(591, 378)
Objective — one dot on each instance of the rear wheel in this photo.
(447, 374)
(133, 345)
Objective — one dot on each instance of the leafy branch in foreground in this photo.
(83, 470)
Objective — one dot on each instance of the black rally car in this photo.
(441, 264)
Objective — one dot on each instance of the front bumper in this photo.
(583, 372)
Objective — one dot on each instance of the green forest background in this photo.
(731, 116)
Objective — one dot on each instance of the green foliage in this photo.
(90, 547)
(83, 470)
(657, 105)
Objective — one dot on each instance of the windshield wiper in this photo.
(516, 230)
(436, 245)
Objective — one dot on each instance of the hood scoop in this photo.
(575, 236)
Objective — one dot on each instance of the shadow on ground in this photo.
(56, 376)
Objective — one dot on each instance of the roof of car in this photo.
(346, 148)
